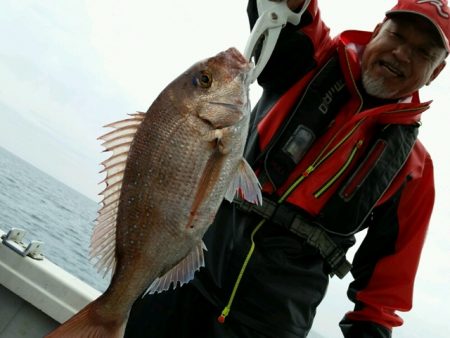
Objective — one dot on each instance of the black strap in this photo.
(283, 215)
(318, 238)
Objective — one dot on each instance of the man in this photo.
(333, 140)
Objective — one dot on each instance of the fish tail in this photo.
(88, 324)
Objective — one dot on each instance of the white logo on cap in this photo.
(439, 6)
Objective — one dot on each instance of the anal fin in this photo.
(181, 273)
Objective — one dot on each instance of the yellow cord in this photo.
(227, 308)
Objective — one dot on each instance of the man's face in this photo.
(403, 55)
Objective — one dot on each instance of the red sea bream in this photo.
(169, 170)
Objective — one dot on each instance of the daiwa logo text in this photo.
(328, 98)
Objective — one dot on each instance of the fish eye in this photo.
(204, 79)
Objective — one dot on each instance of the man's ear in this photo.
(436, 72)
(376, 30)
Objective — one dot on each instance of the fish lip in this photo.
(244, 64)
(239, 108)
(238, 55)
(230, 106)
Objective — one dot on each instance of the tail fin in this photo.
(87, 324)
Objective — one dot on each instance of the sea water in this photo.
(50, 212)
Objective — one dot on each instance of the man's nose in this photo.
(403, 52)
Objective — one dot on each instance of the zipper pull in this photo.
(308, 171)
(223, 315)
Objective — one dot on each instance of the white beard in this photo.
(374, 86)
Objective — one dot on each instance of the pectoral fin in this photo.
(246, 182)
(181, 273)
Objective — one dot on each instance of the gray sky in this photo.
(69, 67)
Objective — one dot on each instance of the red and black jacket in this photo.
(363, 168)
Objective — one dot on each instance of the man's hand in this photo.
(292, 4)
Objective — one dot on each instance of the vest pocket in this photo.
(364, 169)
(341, 170)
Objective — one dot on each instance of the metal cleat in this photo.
(14, 240)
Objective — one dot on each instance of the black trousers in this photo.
(284, 282)
(182, 313)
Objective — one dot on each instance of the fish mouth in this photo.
(237, 108)
(241, 61)
(238, 56)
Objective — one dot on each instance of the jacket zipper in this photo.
(336, 176)
(363, 171)
(279, 134)
(319, 160)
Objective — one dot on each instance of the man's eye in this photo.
(395, 35)
(424, 53)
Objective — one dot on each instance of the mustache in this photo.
(394, 66)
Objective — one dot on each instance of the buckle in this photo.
(266, 210)
(243, 205)
(319, 239)
(342, 268)
(338, 263)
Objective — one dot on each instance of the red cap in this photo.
(436, 11)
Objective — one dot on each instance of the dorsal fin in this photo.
(118, 142)
(181, 273)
